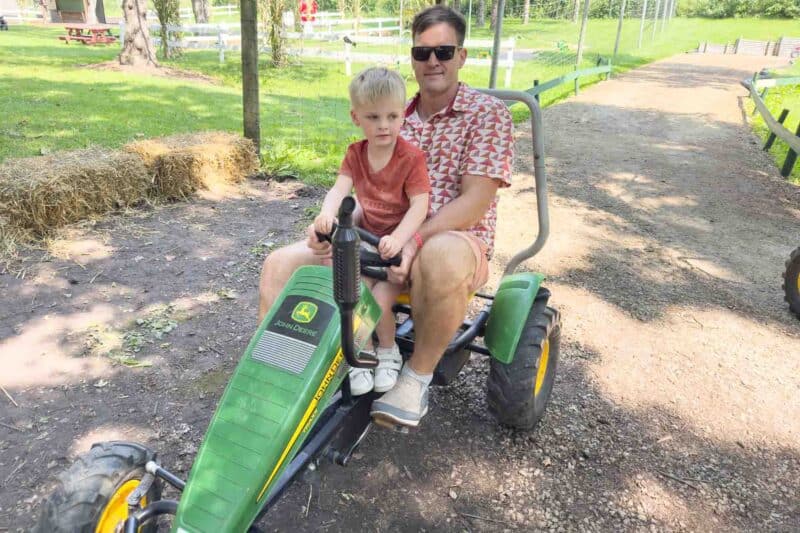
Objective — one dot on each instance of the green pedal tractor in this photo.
(288, 404)
(791, 282)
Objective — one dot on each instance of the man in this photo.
(468, 140)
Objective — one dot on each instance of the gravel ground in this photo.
(674, 399)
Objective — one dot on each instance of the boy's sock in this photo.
(425, 379)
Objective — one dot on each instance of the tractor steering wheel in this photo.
(372, 264)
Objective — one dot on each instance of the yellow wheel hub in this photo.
(798, 283)
(117, 508)
(542, 368)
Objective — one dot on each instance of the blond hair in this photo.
(374, 83)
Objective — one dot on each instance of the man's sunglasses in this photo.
(443, 53)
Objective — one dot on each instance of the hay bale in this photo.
(182, 164)
(42, 193)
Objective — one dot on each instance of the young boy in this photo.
(390, 178)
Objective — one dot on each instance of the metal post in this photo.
(641, 25)
(655, 18)
(469, 19)
(619, 27)
(791, 158)
(582, 36)
(498, 30)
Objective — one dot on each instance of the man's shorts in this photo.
(479, 249)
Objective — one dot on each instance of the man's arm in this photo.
(477, 193)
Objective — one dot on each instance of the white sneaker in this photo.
(389, 364)
(361, 381)
(404, 405)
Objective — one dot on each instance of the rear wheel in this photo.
(518, 392)
(791, 282)
(92, 494)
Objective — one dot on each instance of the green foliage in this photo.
(740, 8)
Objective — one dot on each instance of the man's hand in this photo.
(389, 247)
(399, 274)
(321, 249)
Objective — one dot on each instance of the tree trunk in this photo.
(137, 48)
(91, 12)
(493, 19)
(456, 4)
(200, 9)
(247, 18)
(576, 7)
(526, 12)
(481, 16)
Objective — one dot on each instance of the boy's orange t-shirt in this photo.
(384, 195)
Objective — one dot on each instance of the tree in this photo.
(493, 19)
(526, 12)
(252, 123)
(272, 20)
(168, 13)
(137, 47)
(200, 10)
(576, 9)
(481, 16)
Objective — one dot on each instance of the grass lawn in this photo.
(53, 100)
(779, 98)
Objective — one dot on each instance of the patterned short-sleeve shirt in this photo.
(474, 135)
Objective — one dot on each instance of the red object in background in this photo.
(308, 10)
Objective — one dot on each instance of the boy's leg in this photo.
(389, 359)
(386, 294)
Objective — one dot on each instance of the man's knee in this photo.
(446, 263)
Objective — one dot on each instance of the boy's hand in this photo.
(320, 248)
(389, 247)
(324, 223)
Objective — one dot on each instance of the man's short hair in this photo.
(439, 14)
(374, 83)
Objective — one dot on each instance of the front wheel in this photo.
(92, 494)
(791, 282)
(518, 392)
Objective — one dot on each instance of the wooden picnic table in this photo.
(90, 34)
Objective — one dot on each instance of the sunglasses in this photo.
(443, 53)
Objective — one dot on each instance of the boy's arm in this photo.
(413, 218)
(323, 223)
(340, 189)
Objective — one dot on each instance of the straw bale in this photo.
(182, 164)
(41, 193)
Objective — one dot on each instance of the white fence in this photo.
(783, 47)
(187, 13)
(21, 16)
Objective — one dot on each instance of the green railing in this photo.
(603, 67)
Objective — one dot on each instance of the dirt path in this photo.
(676, 400)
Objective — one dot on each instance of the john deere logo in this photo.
(304, 312)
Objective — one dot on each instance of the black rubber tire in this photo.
(510, 387)
(84, 488)
(791, 282)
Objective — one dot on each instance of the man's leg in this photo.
(441, 280)
(440, 287)
(278, 268)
